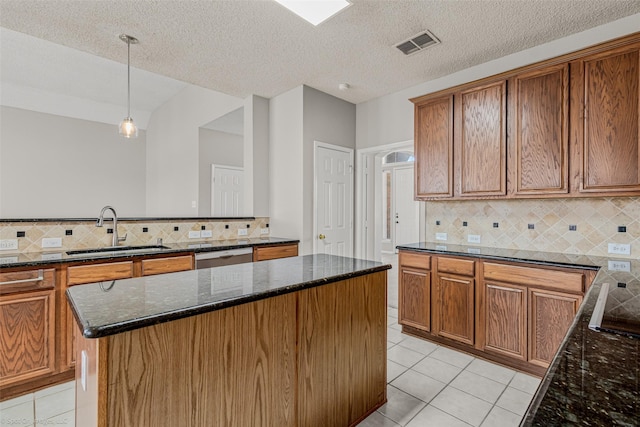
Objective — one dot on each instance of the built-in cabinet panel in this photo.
(609, 142)
(434, 148)
(550, 316)
(565, 127)
(540, 141)
(513, 313)
(481, 140)
(415, 296)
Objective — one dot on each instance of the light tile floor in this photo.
(428, 385)
(53, 406)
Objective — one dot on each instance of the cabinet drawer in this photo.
(273, 252)
(415, 260)
(462, 267)
(80, 274)
(539, 277)
(27, 280)
(166, 265)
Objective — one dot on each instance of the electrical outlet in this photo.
(194, 234)
(8, 259)
(51, 242)
(8, 244)
(441, 236)
(619, 248)
(473, 238)
(619, 266)
(264, 231)
(242, 231)
(206, 233)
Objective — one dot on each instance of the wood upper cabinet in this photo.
(480, 136)
(607, 85)
(414, 290)
(434, 148)
(505, 320)
(550, 316)
(454, 301)
(539, 143)
(27, 326)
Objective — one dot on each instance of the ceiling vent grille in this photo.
(417, 43)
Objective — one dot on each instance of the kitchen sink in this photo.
(117, 250)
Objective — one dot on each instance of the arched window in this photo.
(398, 157)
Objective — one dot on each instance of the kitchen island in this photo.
(289, 342)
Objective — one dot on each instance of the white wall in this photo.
(61, 167)
(220, 148)
(285, 164)
(389, 119)
(256, 153)
(326, 119)
(173, 146)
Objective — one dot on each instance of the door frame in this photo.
(367, 222)
(213, 174)
(350, 151)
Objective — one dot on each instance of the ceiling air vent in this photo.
(417, 43)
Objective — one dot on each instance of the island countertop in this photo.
(108, 308)
(594, 379)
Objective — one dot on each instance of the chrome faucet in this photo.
(100, 221)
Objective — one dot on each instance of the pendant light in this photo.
(127, 128)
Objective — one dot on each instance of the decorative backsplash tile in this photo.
(576, 226)
(85, 234)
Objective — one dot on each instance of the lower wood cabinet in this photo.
(550, 315)
(166, 265)
(264, 253)
(516, 314)
(455, 308)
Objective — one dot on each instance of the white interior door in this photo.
(227, 191)
(407, 210)
(333, 200)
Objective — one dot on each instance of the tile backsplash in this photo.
(85, 234)
(577, 226)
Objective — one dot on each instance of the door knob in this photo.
(321, 237)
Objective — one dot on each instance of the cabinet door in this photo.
(610, 152)
(454, 308)
(505, 319)
(27, 336)
(480, 138)
(550, 315)
(434, 148)
(415, 298)
(540, 143)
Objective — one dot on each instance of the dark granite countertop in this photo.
(594, 379)
(34, 259)
(108, 308)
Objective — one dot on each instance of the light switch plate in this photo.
(194, 234)
(264, 231)
(619, 248)
(206, 233)
(242, 231)
(52, 242)
(441, 236)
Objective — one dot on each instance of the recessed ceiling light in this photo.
(315, 11)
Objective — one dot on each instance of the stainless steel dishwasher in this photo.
(219, 258)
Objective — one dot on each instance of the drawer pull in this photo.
(40, 278)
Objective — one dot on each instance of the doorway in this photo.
(400, 223)
(227, 191)
(333, 199)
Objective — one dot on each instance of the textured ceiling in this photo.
(258, 47)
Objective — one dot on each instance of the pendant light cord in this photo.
(128, 77)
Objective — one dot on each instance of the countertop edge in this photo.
(100, 332)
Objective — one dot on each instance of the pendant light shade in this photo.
(127, 127)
